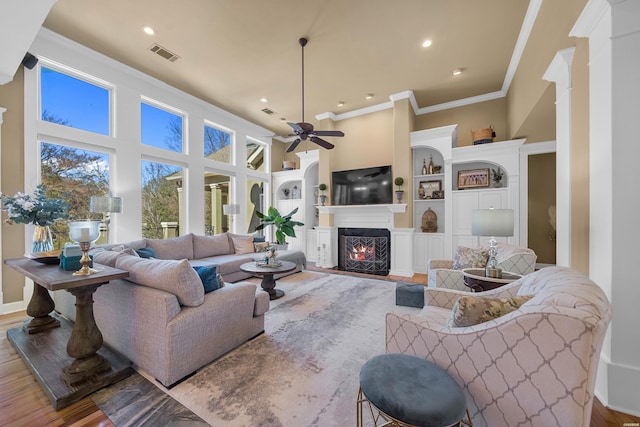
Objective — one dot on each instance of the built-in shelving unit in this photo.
(453, 210)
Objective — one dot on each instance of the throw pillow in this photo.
(471, 310)
(470, 258)
(176, 277)
(125, 250)
(242, 244)
(146, 253)
(105, 257)
(261, 246)
(209, 277)
(220, 281)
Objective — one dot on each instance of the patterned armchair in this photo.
(511, 258)
(535, 366)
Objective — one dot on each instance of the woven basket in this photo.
(482, 136)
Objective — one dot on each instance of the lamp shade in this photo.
(492, 222)
(84, 231)
(105, 204)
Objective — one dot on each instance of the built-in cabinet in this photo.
(452, 205)
(297, 188)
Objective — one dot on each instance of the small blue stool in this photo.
(410, 294)
(407, 391)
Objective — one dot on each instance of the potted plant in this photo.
(283, 223)
(323, 198)
(497, 175)
(399, 193)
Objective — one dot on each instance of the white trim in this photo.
(559, 71)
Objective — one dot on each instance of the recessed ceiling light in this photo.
(149, 30)
(369, 96)
(457, 71)
(263, 99)
(340, 103)
(426, 43)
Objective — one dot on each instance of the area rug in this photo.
(303, 371)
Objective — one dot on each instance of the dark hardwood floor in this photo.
(23, 403)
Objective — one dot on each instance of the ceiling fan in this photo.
(305, 130)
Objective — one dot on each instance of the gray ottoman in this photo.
(409, 294)
(410, 391)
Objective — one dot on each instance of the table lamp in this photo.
(106, 205)
(83, 233)
(494, 223)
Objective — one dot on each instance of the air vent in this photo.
(166, 54)
(268, 111)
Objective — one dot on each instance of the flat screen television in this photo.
(369, 186)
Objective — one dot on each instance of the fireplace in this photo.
(364, 250)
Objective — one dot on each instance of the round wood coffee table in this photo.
(475, 279)
(267, 273)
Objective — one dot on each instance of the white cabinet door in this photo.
(464, 202)
(492, 199)
(427, 246)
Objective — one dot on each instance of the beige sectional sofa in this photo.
(160, 317)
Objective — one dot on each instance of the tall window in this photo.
(160, 128)
(160, 200)
(72, 102)
(217, 144)
(217, 193)
(73, 175)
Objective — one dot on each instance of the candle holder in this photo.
(83, 233)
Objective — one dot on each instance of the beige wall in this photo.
(580, 158)
(468, 118)
(12, 169)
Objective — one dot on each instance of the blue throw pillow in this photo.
(257, 239)
(209, 277)
(147, 252)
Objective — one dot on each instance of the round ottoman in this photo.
(408, 390)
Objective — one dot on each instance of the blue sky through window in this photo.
(73, 102)
(161, 128)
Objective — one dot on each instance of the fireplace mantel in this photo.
(363, 216)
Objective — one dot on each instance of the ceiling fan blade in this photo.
(328, 133)
(321, 142)
(296, 128)
(293, 145)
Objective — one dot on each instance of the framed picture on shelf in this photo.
(473, 178)
(439, 194)
(427, 188)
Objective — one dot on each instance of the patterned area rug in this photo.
(303, 371)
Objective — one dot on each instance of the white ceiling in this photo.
(232, 53)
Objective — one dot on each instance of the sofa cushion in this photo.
(105, 257)
(206, 246)
(174, 248)
(471, 310)
(209, 277)
(227, 264)
(176, 277)
(242, 244)
(470, 258)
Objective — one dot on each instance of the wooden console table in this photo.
(67, 359)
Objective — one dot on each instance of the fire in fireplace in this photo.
(364, 250)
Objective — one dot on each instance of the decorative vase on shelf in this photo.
(424, 166)
(42, 240)
(430, 169)
(323, 199)
(399, 195)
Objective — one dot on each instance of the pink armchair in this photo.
(535, 366)
(514, 259)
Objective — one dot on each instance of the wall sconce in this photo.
(105, 205)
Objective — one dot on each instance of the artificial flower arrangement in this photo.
(37, 209)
